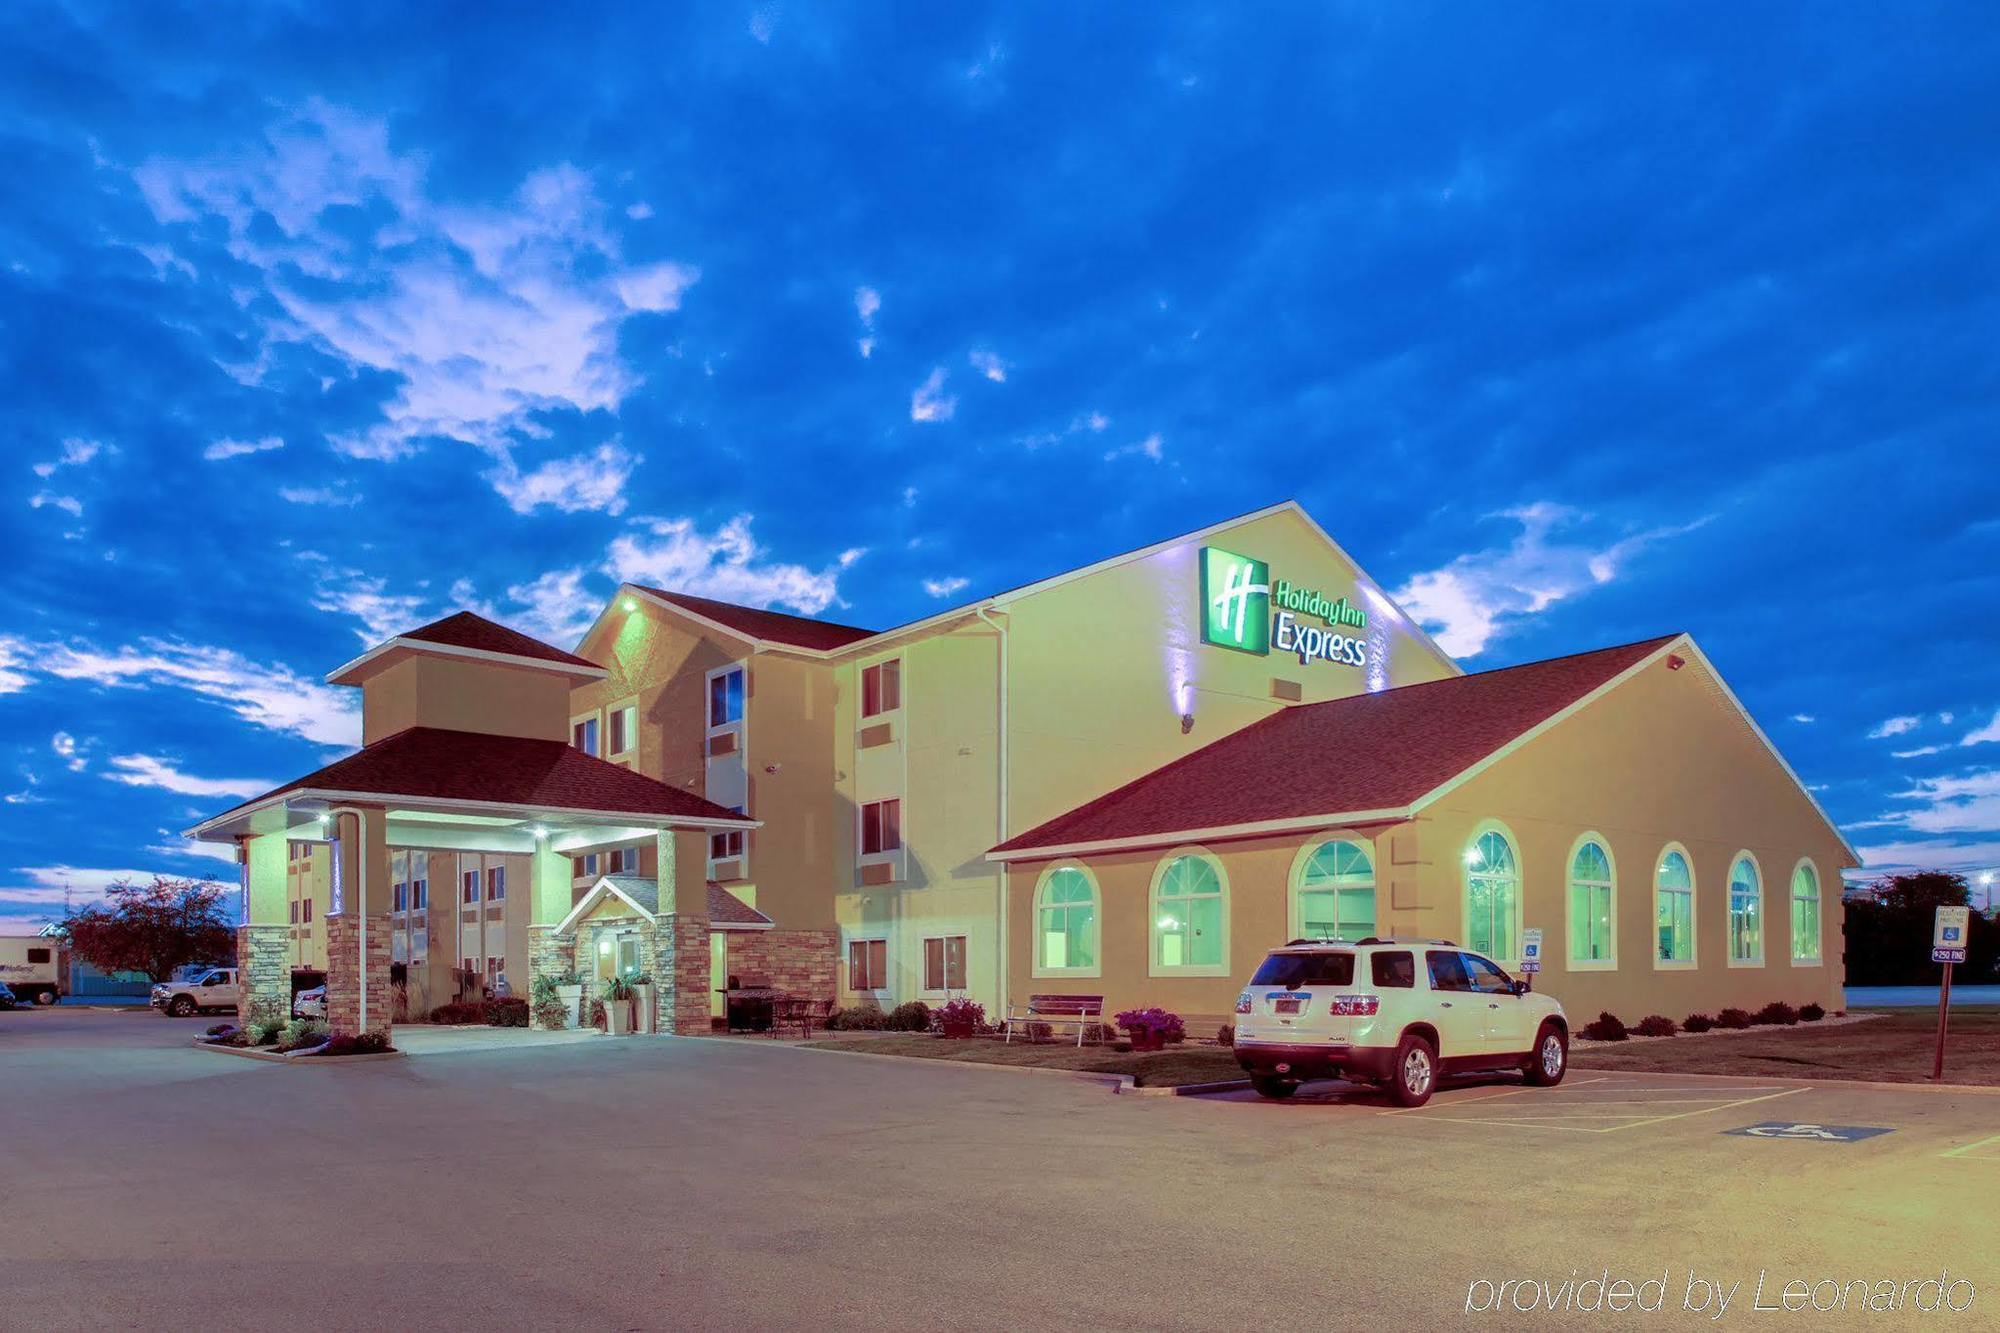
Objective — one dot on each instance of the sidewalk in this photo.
(1909, 997)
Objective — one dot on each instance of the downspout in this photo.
(1005, 925)
(361, 904)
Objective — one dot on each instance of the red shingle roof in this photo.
(726, 909)
(466, 630)
(430, 763)
(1345, 756)
(771, 626)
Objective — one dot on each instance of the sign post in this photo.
(1948, 937)
(1531, 954)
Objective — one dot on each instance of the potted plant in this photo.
(643, 992)
(569, 990)
(1152, 1028)
(618, 1007)
(960, 1018)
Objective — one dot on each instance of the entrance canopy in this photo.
(639, 896)
(470, 791)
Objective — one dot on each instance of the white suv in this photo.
(1399, 1013)
(213, 989)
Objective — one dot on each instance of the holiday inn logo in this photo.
(1235, 601)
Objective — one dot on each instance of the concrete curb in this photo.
(1977, 1089)
(1117, 1083)
(273, 1057)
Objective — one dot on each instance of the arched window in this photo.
(1805, 913)
(1333, 891)
(1492, 895)
(1592, 935)
(1673, 901)
(1746, 912)
(1066, 922)
(1190, 916)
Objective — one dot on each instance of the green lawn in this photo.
(1895, 1047)
(1172, 1067)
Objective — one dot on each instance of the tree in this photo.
(1889, 930)
(153, 928)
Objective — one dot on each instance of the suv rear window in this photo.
(1306, 969)
(1395, 969)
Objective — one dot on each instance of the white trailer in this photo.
(31, 966)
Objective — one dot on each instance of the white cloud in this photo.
(989, 365)
(74, 453)
(1883, 858)
(867, 302)
(66, 749)
(212, 851)
(909, 497)
(945, 587)
(930, 402)
(582, 483)
(726, 564)
(13, 655)
(763, 23)
(323, 496)
(485, 313)
(1151, 447)
(222, 449)
(383, 614)
(640, 211)
(1984, 735)
(555, 607)
(263, 694)
(1804, 717)
(69, 504)
(1468, 603)
(1917, 753)
(1096, 423)
(144, 770)
(1894, 726)
(1969, 803)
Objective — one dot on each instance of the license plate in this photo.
(1288, 1006)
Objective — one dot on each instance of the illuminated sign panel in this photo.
(1244, 609)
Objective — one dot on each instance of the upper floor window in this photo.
(420, 880)
(1591, 895)
(1805, 914)
(295, 912)
(1492, 894)
(1190, 914)
(882, 687)
(583, 734)
(1746, 911)
(623, 725)
(726, 845)
(306, 914)
(469, 886)
(1335, 892)
(881, 826)
(582, 866)
(725, 697)
(621, 861)
(1673, 893)
(496, 884)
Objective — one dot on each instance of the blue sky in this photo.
(1575, 328)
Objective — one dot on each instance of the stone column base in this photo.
(681, 974)
(549, 955)
(263, 973)
(344, 976)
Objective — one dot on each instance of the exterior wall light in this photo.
(630, 605)
(1187, 723)
(539, 832)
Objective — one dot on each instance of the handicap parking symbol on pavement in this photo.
(1787, 1129)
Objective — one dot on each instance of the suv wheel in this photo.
(45, 996)
(1549, 1061)
(180, 1006)
(1277, 1089)
(1415, 1074)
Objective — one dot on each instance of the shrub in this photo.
(1656, 1025)
(1166, 1024)
(1733, 1019)
(301, 1033)
(225, 1034)
(1697, 1023)
(507, 1012)
(1041, 1031)
(861, 1018)
(1811, 1013)
(961, 1014)
(367, 1043)
(597, 1019)
(1225, 1035)
(1779, 1013)
(458, 1011)
(618, 988)
(263, 1031)
(217, 1029)
(1605, 1027)
(912, 1017)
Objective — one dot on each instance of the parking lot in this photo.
(661, 1182)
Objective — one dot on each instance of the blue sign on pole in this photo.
(1788, 1129)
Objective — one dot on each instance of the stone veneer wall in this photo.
(343, 986)
(264, 972)
(800, 962)
(682, 973)
(549, 955)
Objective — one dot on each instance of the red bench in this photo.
(1083, 1012)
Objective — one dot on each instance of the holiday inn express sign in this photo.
(1244, 610)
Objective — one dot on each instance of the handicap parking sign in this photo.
(1792, 1129)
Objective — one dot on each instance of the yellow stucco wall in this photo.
(465, 695)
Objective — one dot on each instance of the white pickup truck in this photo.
(213, 989)
(30, 966)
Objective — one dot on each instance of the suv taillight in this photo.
(1243, 1003)
(1355, 1006)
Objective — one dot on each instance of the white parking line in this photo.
(1966, 1150)
(1541, 1114)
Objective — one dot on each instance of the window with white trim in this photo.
(882, 687)
(306, 912)
(944, 962)
(725, 697)
(583, 734)
(468, 886)
(1492, 895)
(726, 844)
(1189, 907)
(881, 826)
(496, 884)
(1591, 894)
(420, 881)
(583, 867)
(867, 964)
(621, 730)
(1673, 907)
(1746, 912)
(1335, 892)
(622, 861)
(1066, 921)
(1805, 914)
